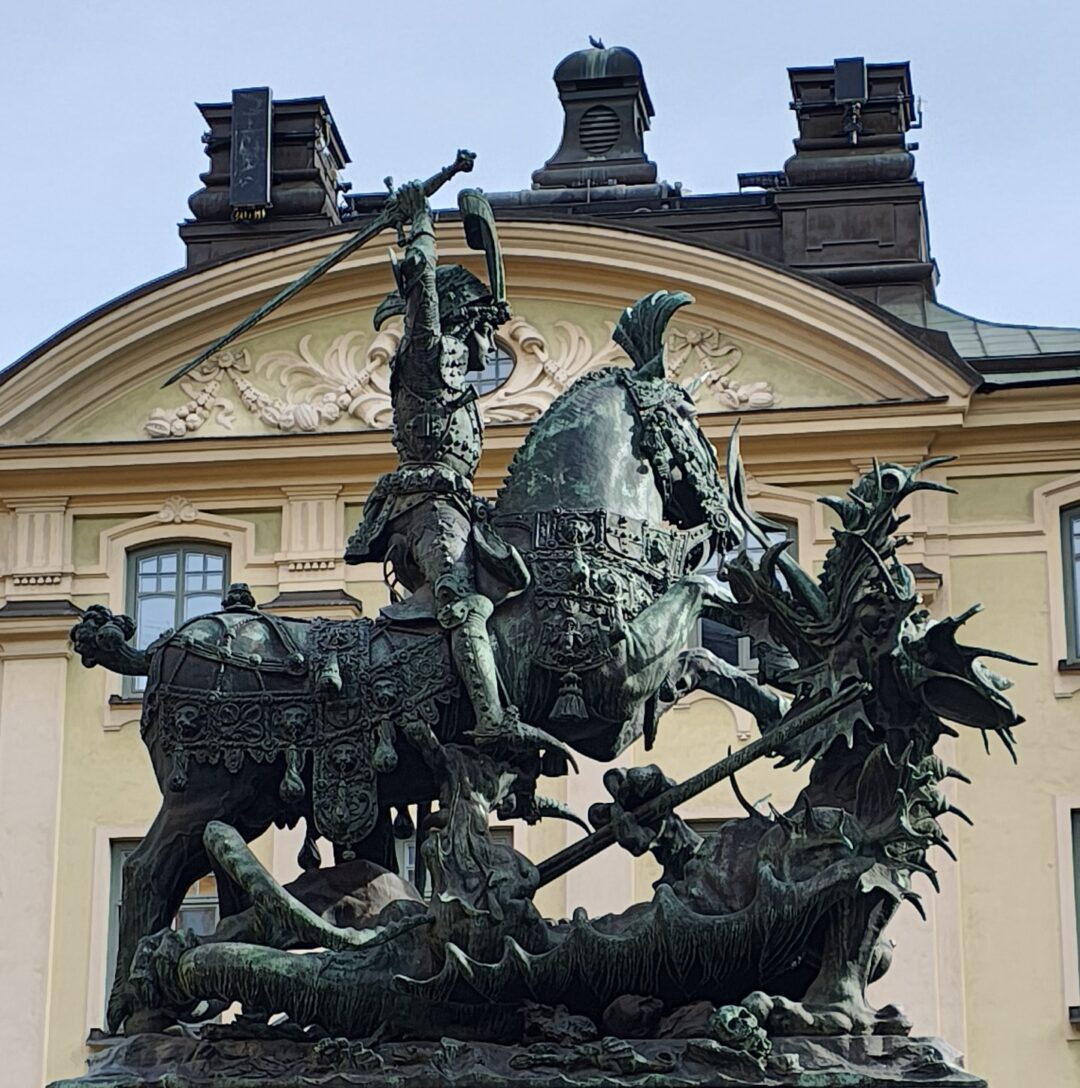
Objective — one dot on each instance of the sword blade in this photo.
(376, 226)
(462, 164)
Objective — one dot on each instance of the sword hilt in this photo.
(463, 164)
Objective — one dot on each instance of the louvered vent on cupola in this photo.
(599, 129)
(607, 109)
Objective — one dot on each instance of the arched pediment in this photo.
(758, 338)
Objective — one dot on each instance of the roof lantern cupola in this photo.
(607, 111)
(853, 118)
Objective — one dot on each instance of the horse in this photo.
(613, 501)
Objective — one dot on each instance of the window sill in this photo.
(121, 709)
(1066, 665)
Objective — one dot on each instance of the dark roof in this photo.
(1004, 354)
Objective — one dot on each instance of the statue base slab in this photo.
(216, 1057)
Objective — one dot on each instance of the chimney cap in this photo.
(212, 111)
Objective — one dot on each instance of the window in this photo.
(1070, 555)
(725, 641)
(497, 367)
(169, 584)
(199, 910)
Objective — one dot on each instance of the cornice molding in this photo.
(149, 335)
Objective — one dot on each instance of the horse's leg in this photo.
(700, 669)
(655, 654)
(156, 876)
(653, 640)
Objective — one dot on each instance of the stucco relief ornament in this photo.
(540, 372)
(351, 380)
(177, 510)
(705, 357)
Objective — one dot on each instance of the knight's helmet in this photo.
(460, 292)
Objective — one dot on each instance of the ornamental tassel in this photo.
(385, 759)
(570, 706)
(292, 789)
(178, 779)
(309, 857)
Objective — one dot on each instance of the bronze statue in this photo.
(567, 603)
(421, 519)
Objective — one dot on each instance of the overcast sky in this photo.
(102, 145)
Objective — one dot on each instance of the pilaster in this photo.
(312, 532)
(37, 562)
(34, 654)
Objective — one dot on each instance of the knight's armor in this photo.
(421, 515)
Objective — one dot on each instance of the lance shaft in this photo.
(386, 218)
(664, 803)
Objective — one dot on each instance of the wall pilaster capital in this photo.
(36, 629)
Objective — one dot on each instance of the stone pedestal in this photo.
(221, 1056)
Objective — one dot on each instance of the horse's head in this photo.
(624, 440)
(682, 459)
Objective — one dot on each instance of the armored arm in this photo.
(417, 284)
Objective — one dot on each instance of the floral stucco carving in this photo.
(540, 372)
(302, 391)
(703, 359)
(306, 393)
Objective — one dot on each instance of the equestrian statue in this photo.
(550, 621)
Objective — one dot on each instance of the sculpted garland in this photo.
(549, 622)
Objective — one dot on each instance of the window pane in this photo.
(721, 640)
(169, 587)
(153, 617)
(201, 918)
(198, 604)
(497, 367)
(724, 641)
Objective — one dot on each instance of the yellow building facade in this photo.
(264, 456)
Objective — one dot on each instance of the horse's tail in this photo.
(101, 638)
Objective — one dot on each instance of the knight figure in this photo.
(423, 520)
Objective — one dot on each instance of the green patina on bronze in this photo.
(545, 623)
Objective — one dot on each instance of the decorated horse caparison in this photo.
(549, 621)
